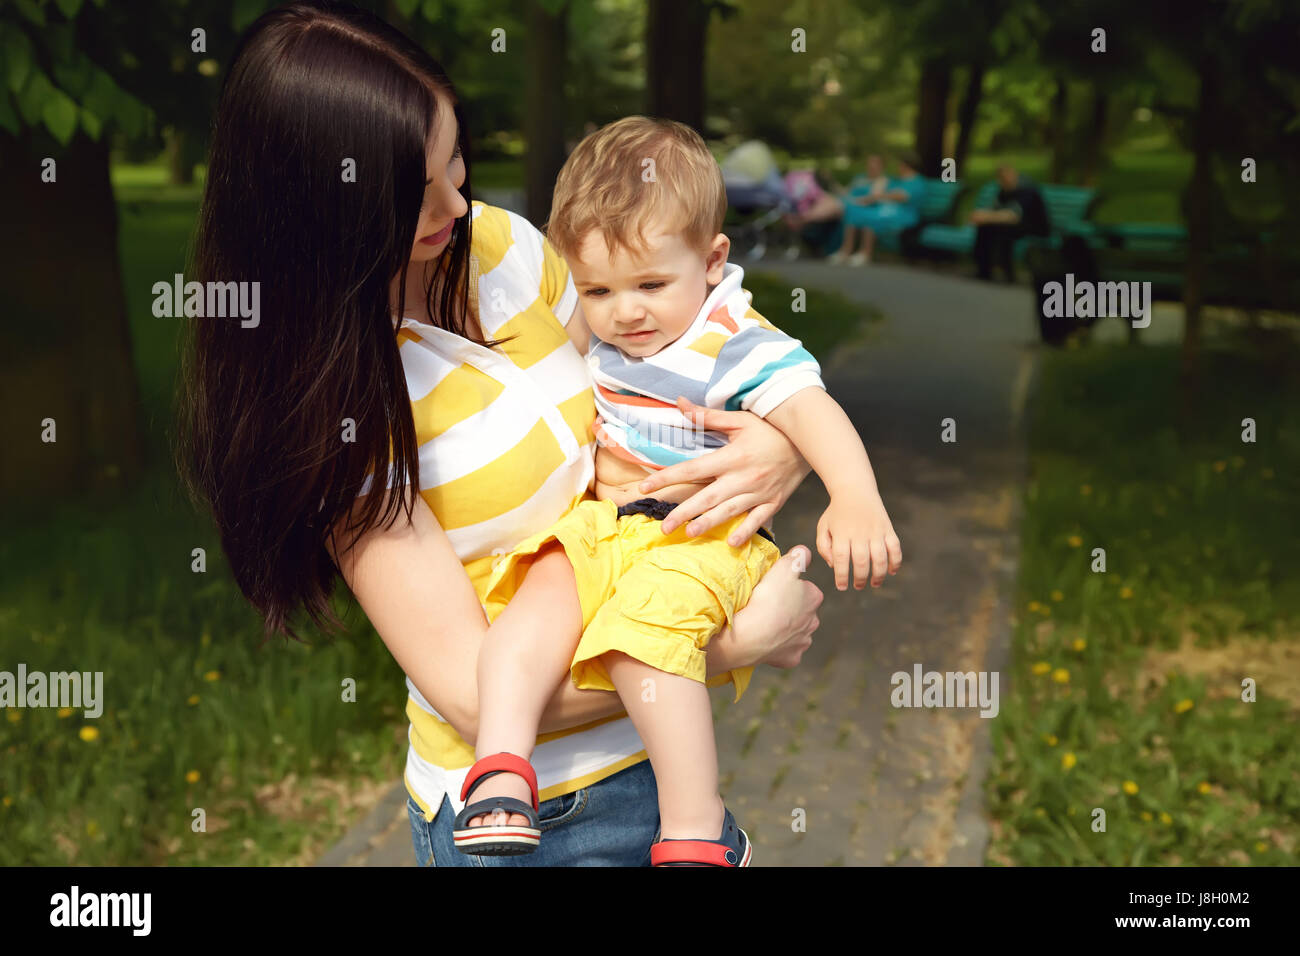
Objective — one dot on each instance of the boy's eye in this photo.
(651, 285)
(593, 293)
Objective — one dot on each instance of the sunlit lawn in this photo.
(1128, 685)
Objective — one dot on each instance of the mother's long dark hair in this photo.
(263, 409)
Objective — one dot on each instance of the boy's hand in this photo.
(855, 533)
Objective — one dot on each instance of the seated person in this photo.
(869, 213)
(1018, 211)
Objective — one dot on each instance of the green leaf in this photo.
(69, 8)
(31, 11)
(75, 75)
(60, 115)
(91, 124)
(32, 97)
(18, 58)
(406, 7)
(8, 117)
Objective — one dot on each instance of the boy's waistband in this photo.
(654, 508)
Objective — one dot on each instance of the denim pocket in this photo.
(421, 834)
(562, 809)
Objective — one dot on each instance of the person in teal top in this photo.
(870, 211)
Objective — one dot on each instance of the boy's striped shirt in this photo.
(730, 358)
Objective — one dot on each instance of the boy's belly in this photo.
(617, 480)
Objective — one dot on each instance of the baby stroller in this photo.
(757, 199)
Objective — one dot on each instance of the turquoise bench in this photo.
(938, 204)
(1068, 208)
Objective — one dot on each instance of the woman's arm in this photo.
(756, 471)
(417, 595)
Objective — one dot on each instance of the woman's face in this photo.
(443, 203)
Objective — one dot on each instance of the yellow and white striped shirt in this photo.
(506, 447)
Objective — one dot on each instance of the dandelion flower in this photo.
(192, 777)
(1204, 786)
(1074, 541)
(1068, 760)
(1041, 667)
(1166, 819)
(88, 734)
(212, 676)
(1183, 706)
(1146, 815)
(64, 712)
(1079, 644)
(193, 700)
(8, 801)
(1261, 846)
(1130, 787)
(1051, 739)
(14, 716)
(1125, 593)
(1061, 675)
(1220, 465)
(1033, 606)
(1058, 596)
(1085, 490)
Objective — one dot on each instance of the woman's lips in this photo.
(439, 237)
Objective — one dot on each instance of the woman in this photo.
(871, 211)
(408, 334)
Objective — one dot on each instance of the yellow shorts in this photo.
(655, 597)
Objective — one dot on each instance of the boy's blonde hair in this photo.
(606, 184)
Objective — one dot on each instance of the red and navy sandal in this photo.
(732, 848)
(497, 839)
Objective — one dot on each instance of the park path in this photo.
(818, 766)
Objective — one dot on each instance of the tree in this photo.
(66, 338)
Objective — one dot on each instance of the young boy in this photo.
(636, 214)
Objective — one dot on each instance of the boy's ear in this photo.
(718, 251)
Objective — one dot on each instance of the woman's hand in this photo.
(756, 471)
(776, 626)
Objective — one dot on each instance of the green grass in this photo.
(1134, 675)
(828, 319)
(198, 713)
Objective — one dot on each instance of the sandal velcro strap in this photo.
(494, 764)
(705, 852)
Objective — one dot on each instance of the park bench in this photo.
(938, 204)
(1243, 271)
(1067, 208)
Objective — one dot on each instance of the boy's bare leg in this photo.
(673, 717)
(526, 653)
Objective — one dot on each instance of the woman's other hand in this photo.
(777, 624)
(756, 471)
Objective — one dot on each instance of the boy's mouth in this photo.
(639, 336)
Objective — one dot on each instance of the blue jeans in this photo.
(610, 823)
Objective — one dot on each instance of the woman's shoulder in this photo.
(496, 231)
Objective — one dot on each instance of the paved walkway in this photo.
(822, 744)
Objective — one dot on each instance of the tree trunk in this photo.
(1059, 131)
(675, 36)
(545, 108)
(180, 168)
(65, 338)
(932, 113)
(1196, 205)
(967, 113)
(1095, 148)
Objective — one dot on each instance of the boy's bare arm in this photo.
(854, 533)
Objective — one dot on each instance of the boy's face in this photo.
(641, 302)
